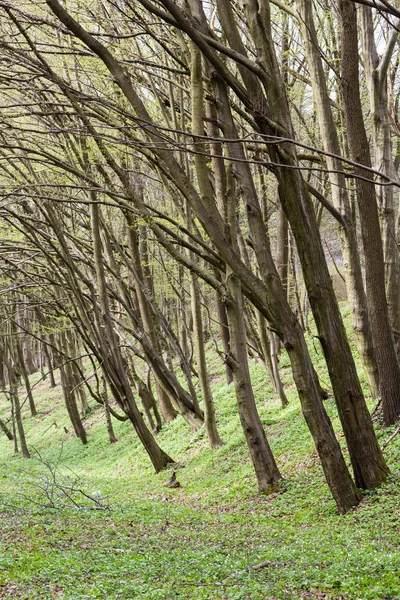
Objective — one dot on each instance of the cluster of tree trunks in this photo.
(170, 177)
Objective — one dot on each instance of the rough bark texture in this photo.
(386, 357)
(367, 460)
(376, 72)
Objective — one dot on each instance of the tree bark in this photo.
(369, 467)
(376, 72)
(386, 356)
(347, 230)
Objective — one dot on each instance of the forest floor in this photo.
(214, 537)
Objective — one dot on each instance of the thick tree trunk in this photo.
(376, 72)
(367, 460)
(386, 356)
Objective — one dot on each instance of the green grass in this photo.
(199, 541)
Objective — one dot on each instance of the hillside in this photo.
(212, 538)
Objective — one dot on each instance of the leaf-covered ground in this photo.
(213, 538)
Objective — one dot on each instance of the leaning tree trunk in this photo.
(198, 128)
(220, 182)
(284, 322)
(262, 294)
(5, 430)
(267, 472)
(185, 405)
(369, 466)
(167, 410)
(116, 371)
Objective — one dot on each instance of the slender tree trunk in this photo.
(208, 402)
(167, 410)
(148, 400)
(347, 230)
(275, 367)
(282, 248)
(20, 360)
(110, 429)
(119, 378)
(225, 335)
(267, 472)
(18, 415)
(14, 425)
(271, 358)
(5, 430)
(220, 182)
(79, 389)
(68, 385)
(49, 362)
(2, 374)
(25, 377)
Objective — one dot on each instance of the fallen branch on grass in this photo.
(395, 432)
(57, 489)
(262, 565)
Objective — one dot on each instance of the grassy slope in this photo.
(196, 541)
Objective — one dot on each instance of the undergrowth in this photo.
(212, 538)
